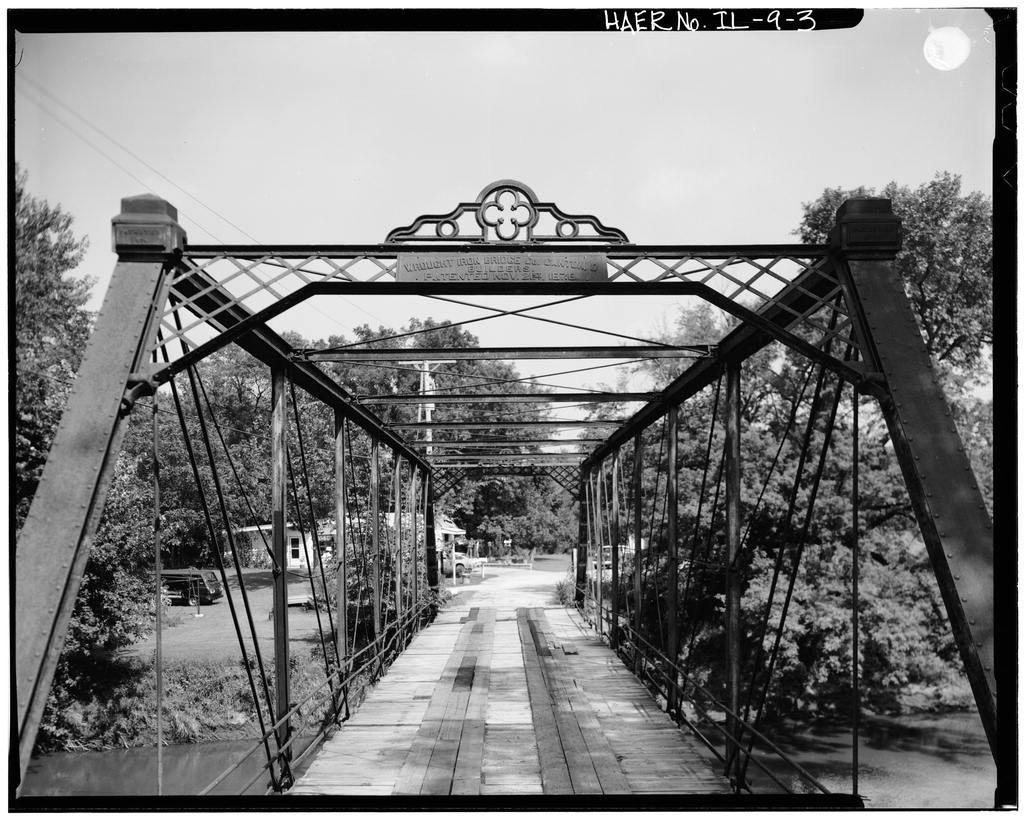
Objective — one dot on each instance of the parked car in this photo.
(188, 584)
(463, 563)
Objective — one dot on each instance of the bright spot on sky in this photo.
(947, 48)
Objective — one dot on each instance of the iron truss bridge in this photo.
(840, 306)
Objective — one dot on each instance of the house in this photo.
(250, 544)
(446, 533)
(253, 552)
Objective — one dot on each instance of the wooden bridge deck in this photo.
(500, 698)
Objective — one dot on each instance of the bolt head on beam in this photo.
(867, 229)
(146, 224)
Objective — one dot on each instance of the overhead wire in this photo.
(500, 380)
(442, 327)
(40, 89)
(109, 158)
(37, 87)
(552, 321)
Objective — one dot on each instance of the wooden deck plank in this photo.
(582, 774)
(444, 703)
(554, 769)
(596, 751)
(524, 698)
(469, 764)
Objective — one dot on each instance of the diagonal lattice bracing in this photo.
(798, 283)
(447, 480)
(566, 476)
(795, 283)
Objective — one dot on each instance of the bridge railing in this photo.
(368, 664)
(671, 682)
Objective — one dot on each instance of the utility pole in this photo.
(425, 410)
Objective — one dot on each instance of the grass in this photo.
(566, 592)
(203, 701)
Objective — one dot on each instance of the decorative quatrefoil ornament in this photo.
(508, 213)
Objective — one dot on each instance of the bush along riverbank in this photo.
(203, 701)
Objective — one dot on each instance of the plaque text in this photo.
(452, 267)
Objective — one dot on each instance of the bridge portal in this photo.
(840, 307)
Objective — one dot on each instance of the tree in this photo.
(945, 263)
(901, 608)
(51, 328)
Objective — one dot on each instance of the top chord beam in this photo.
(508, 353)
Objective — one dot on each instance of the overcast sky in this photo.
(339, 137)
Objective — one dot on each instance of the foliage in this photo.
(946, 268)
(531, 511)
(51, 327)
(945, 263)
(115, 603)
(565, 590)
(203, 701)
(907, 655)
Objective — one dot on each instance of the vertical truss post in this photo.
(54, 543)
(588, 493)
(399, 589)
(430, 550)
(582, 526)
(672, 501)
(158, 600)
(855, 593)
(413, 534)
(341, 538)
(637, 529)
(615, 549)
(375, 531)
(953, 519)
(595, 497)
(278, 504)
(732, 539)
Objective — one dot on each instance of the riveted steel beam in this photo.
(954, 522)
(237, 323)
(582, 538)
(507, 353)
(469, 444)
(429, 532)
(505, 425)
(279, 510)
(341, 538)
(537, 457)
(733, 581)
(774, 319)
(469, 399)
(753, 334)
(54, 543)
(708, 251)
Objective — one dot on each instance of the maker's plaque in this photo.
(500, 267)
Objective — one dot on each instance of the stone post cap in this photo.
(146, 224)
(148, 204)
(867, 229)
